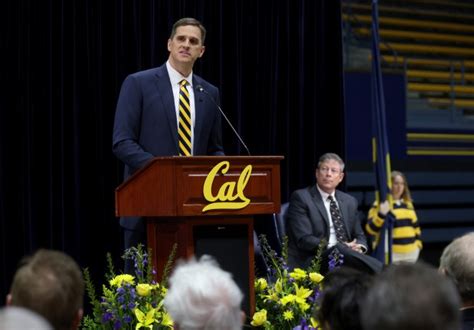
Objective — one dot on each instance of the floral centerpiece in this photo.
(289, 299)
(130, 301)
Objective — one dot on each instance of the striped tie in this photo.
(184, 126)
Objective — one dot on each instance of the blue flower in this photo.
(106, 317)
(117, 324)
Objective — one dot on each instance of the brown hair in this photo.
(406, 196)
(189, 21)
(49, 283)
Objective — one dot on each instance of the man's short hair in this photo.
(49, 283)
(331, 156)
(203, 296)
(457, 261)
(411, 297)
(189, 21)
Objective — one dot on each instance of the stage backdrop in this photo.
(278, 65)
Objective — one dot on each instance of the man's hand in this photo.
(355, 246)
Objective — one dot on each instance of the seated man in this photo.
(321, 212)
(457, 262)
(203, 296)
(50, 283)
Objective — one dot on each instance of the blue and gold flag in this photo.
(380, 150)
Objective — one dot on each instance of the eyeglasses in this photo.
(327, 170)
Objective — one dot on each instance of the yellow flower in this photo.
(278, 286)
(145, 321)
(271, 297)
(314, 323)
(316, 277)
(259, 318)
(303, 306)
(287, 299)
(298, 274)
(144, 289)
(260, 284)
(301, 293)
(288, 315)
(120, 279)
(166, 320)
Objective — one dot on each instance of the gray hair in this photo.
(331, 156)
(203, 296)
(21, 318)
(457, 261)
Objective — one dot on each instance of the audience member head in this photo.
(203, 296)
(50, 283)
(411, 297)
(400, 188)
(343, 292)
(457, 262)
(21, 318)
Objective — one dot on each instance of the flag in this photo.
(380, 150)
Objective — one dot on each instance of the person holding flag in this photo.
(406, 243)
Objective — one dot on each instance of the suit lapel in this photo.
(199, 111)
(165, 90)
(318, 201)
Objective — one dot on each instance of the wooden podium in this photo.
(204, 204)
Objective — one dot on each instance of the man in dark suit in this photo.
(148, 118)
(312, 216)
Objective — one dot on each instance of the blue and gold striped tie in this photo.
(184, 126)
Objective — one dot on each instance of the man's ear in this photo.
(8, 301)
(77, 319)
(203, 49)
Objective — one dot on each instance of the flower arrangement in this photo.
(130, 301)
(289, 300)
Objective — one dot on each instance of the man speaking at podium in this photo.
(161, 112)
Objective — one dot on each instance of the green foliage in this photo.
(130, 301)
(288, 299)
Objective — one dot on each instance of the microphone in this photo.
(202, 90)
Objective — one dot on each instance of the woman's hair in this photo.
(406, 195)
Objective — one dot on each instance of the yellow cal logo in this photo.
(231, 194)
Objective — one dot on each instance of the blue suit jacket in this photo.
(307, 223)
(146, 126)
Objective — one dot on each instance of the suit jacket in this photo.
(146, 125)
(307, 224)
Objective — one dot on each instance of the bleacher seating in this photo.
(444, 202)
(431, 42)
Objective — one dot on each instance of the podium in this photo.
(205, 204)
